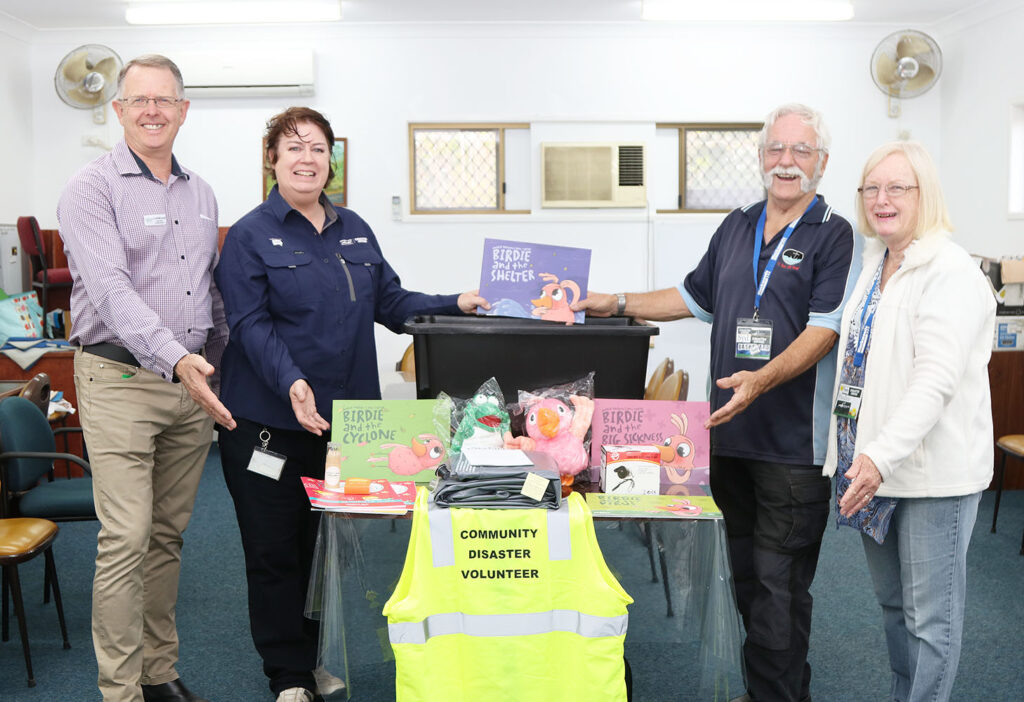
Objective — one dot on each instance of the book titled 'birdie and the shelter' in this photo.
(533, 281)
(390, 439)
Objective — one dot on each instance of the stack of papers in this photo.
(385, 497)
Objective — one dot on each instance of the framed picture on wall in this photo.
(337, 188)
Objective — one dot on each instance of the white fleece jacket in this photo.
(926, 414)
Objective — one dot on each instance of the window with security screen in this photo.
(718, 166)
(458, 168)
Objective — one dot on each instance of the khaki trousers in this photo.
(147, 442)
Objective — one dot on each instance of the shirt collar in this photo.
(280, 208)
(129, 163)
(820, 213)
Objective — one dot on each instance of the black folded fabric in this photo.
(463, 484)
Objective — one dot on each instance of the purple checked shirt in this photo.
(142, 255)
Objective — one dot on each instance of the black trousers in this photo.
(775, 516)
(278, 536)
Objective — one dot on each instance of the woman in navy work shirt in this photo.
(303, 283)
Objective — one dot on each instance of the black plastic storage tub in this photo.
(457, 354)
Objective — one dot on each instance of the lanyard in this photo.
(758, 236)
(865, 325)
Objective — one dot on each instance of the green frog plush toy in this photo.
(484, 419)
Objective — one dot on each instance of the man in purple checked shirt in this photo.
(140, 233)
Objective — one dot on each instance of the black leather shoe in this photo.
(173, 691)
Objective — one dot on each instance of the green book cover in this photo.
(653, 506)
(392, 439)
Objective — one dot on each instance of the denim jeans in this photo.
(920, 578)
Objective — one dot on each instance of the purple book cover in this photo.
(533, 281)
(676, 428)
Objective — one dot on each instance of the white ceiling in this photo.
(75, 14)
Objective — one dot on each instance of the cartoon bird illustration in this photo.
(484, 421)
(683, 508)
(426, 452)
(553, 303)
(555, 429)
(677, 454)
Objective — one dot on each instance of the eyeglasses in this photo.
(139, 102)
(893, 190)
(801, 151)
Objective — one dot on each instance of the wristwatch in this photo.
(621, 309)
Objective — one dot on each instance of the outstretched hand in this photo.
(192, 370)
(746, 387)
(469, 301)
(304, 406)
(597, 304)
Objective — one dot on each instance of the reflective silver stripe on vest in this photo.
(566, 620)
(442, 534)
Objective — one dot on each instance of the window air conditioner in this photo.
(246, 73)
(593, 175)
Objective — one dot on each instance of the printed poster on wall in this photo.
(533, 281)
(391, 439)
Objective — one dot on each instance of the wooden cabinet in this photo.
(1006, 377)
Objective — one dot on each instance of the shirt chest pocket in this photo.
(290, 276)
(360, 271)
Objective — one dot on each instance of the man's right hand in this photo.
(192, 371)
(597, 305)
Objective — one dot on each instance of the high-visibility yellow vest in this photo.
(513, 604)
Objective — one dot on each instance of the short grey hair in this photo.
(810, 117)
(152, 61)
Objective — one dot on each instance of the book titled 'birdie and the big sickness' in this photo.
(390, 439)
(533, 281)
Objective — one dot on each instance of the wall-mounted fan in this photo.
(87, 79)
(905, 64)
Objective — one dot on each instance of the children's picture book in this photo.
(533, 281)
(653, 506)
(391, 439)
(381, 499)
(676, 428)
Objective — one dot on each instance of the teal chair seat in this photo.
(61, 500)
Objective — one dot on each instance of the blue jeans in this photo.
(920, 578)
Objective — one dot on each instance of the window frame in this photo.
(681, 129)
(500, 127)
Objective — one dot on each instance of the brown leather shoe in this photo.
(173, 691)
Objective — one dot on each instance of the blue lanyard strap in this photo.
(865, 324)
(758, 238)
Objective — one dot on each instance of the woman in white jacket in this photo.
(911, 431)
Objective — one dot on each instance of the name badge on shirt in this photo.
(267, 463)
(155, 220)
(754, 339)
(848, 401)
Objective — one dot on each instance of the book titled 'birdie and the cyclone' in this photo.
(533, 281)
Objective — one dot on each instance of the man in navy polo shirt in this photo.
(773, 284)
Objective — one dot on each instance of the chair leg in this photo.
(51, 572)
(999, 491)
(46, 586)
(19, 609)
(6, 633)
(645, 531)
(664, 579)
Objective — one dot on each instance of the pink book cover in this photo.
(676, 428)
(381, 499)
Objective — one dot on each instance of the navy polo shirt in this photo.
(809, 287)
(303, 305)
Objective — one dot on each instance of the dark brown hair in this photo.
(286, 123)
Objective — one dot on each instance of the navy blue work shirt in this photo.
(302, 305)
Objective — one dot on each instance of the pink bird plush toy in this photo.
(554, 428)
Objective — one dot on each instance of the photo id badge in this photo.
(267, 463)
(847, 401)
(754, 339)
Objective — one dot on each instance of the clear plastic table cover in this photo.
(684, 640)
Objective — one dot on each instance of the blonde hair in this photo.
(152, 61)
(932, 215)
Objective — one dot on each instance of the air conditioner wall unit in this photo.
(593, 175)
(247, 73)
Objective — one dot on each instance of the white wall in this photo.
(572, 82)
(981, 81)
(16, 191)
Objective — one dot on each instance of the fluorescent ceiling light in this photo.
(748, 10)
(249, 12)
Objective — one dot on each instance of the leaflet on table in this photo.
(653, 506)
(384, 497)
(533, 281)
(389, 439)
(676, 428)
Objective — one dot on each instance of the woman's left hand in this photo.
(865, 479)
(304, 406)
(469, 301)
